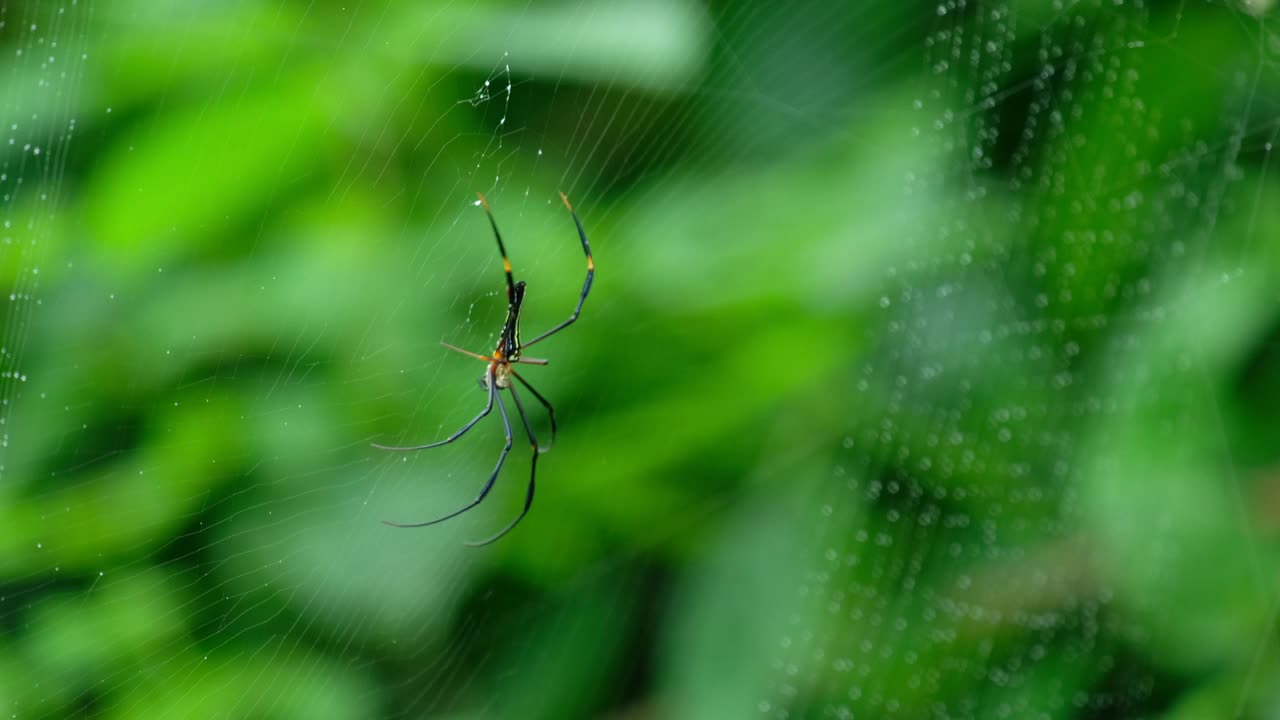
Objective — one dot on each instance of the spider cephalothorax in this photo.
(501, 372)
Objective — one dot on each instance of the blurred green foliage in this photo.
(930, 368)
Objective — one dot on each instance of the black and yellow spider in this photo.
(498, 377)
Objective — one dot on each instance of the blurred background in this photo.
(931, 368)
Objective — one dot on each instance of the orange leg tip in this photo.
(483, 203)
(565, 199)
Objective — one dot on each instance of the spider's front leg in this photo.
(493, 477)
(533, 467)
(488, 408)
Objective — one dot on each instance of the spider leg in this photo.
(586, 286)
(551, 412)
(478, 356)
(506, 263)
(506, 424)
(533, 469)
(487, 409)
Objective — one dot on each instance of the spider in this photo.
(498, 375)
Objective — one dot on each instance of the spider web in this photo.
(929, 370)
